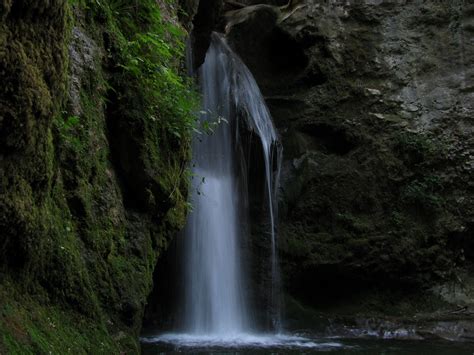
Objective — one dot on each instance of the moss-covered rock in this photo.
(93, 181)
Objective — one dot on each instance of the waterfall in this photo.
(216, 307)
(215, 297)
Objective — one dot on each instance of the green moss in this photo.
(375, 214)
(426, 191)
(416, 147)
(94, 188)
(29, 326)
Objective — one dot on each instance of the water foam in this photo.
(241, 341)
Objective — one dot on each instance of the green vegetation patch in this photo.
(93, 186)
(31, 325)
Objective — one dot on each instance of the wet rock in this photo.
(204, 22)
(84, 55)
(373, 102)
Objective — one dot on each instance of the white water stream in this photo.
(215, 301)
(216, 309)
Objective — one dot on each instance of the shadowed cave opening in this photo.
(463, 242)
(166, 296)
(274, 57)
(330, 139)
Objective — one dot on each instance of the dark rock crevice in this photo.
(276, 58)
(328, 139)
(204, 22)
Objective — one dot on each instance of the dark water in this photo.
(177, 344)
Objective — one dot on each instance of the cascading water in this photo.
(215, 302)
(214, 298)
(216, 309)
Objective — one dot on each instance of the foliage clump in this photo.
(150, 50)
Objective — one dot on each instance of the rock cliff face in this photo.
(89, 192)
(374, 103)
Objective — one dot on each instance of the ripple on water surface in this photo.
(239, 341)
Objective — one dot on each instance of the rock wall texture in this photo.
(89, 192)
(374, 101)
